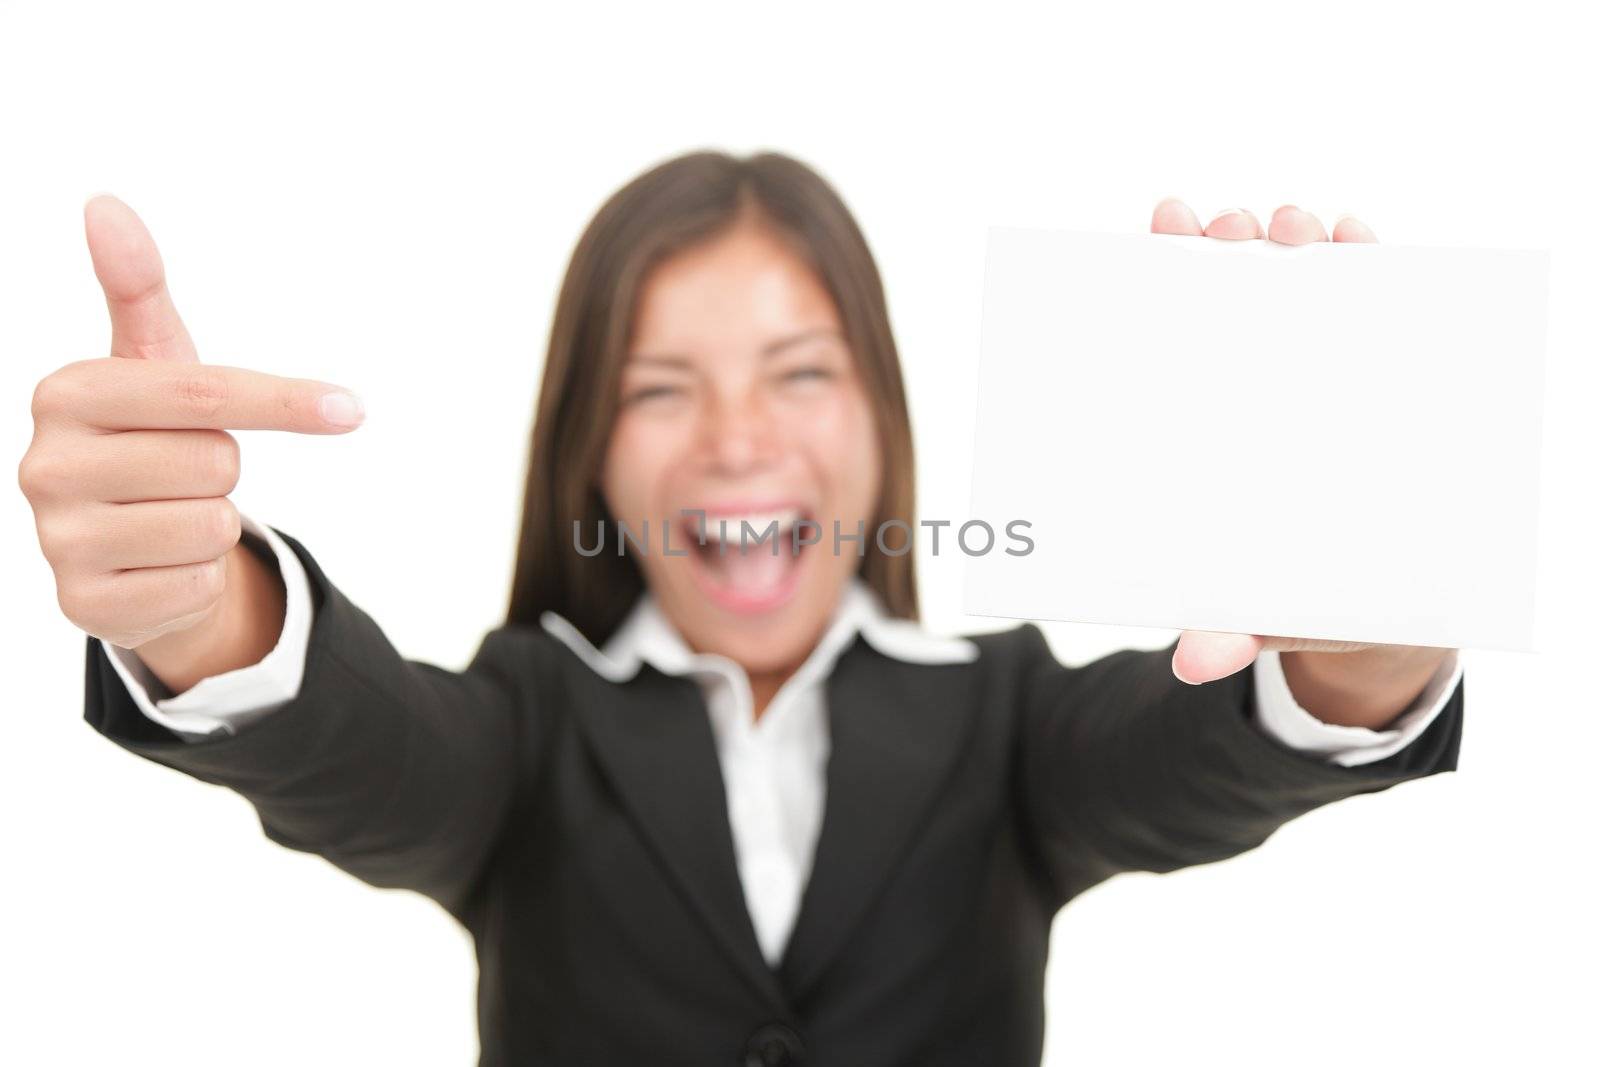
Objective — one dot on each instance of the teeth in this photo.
(716, 525)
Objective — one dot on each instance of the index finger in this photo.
(123, 394)
(1174, 216)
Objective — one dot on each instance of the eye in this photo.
(649, 392)
(806, 374)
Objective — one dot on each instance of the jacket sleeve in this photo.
(1123, 767)
(397, 771)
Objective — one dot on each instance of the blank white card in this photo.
(1334, 440)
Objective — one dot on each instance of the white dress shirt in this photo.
(774, 768)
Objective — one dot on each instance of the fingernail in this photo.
(1230, 211)
(341, 408)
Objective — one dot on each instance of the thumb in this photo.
(144, 323)
(1205, 656)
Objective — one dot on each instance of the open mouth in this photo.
(749, 561)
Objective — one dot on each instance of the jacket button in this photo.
(774, 1045)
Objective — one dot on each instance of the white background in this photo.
(385, 197)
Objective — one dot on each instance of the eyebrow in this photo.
(666, 361)
(772, 348)
(800, 338)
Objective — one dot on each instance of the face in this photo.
(740, 398)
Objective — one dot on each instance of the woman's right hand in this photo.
(131, 465)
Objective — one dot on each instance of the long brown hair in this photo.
(668, 208)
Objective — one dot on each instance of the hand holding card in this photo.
(1334, 441)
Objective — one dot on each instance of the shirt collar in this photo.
(646, 636)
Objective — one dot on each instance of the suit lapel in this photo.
(897, 729)
(653, 738)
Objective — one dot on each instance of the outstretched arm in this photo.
(398, 771)
(1123, 767)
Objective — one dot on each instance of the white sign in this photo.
(1331, 440)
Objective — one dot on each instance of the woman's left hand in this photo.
(1338, 681)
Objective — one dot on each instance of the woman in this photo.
(696, 803)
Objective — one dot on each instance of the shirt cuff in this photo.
(226, 703)
(1280, 716)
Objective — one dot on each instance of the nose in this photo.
(738, 435)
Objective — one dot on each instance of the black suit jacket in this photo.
(578, 828)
